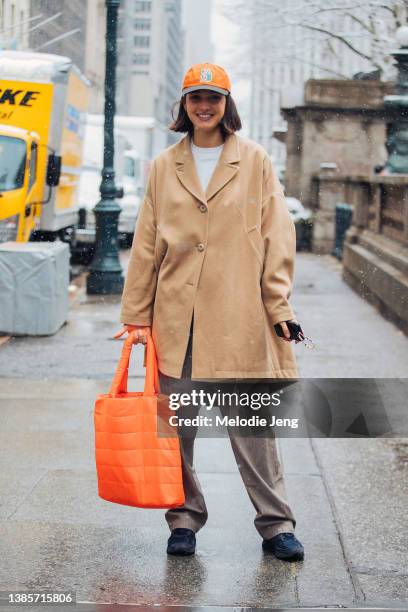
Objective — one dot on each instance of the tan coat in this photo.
(226, 254)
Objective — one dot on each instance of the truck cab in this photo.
(21, 187)
(18, 182)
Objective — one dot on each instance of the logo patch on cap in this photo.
(206, 75)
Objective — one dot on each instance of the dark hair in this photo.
(229, 124)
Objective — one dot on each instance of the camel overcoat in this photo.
(227, 255)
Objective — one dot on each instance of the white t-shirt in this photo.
(206, 159)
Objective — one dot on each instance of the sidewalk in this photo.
(349, 496)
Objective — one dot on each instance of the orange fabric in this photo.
(206, 75)
(135, 466)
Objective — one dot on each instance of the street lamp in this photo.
(397, 137)
(105, 276)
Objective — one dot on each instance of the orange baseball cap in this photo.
(206, 76)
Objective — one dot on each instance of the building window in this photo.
(142, 24)
(141, 41)
(141, 58)
(143, 7)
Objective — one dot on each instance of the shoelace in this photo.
(287, 536)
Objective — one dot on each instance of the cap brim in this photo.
(219, 90)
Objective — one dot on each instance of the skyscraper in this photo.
(150, 63)
(198, 44)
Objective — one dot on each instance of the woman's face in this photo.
(205, 109)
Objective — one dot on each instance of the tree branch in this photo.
(302, 60)
(359, 21)
(338, 37)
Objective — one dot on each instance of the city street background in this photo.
(321, 86)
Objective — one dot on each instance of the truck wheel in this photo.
(83, 254)
(43, 236)
(68, 235)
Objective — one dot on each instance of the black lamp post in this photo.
(397, 137)
(105, 276)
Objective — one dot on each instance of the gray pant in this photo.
(256, 457)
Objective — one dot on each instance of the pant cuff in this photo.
(185, 523)
(269, 532)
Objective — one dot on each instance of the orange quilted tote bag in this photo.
(135, 465)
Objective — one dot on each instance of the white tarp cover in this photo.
(26, 66)
(34, 280)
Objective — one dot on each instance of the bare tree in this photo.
(364, 30)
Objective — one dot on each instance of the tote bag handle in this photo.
(120, 379)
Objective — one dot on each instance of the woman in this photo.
(214, 252)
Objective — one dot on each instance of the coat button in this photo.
(203, 208)
(200, 246)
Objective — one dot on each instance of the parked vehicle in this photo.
(42, 102)
(137, 140)
(145, 134)
(129, 179)
(303, 220)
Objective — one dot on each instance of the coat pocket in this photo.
(257, 242)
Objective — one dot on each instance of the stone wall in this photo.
(327, 190)
(375, 251)
(341, 122)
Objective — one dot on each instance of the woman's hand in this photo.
(140, 335)
(286, 331)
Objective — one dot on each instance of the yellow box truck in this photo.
(43, 101)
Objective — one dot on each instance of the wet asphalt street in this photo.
(349, 496)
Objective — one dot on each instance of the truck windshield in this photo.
(12, 163)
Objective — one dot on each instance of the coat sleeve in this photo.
(141, 280)
(279, 235)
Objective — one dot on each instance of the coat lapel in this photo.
(186, 169)
(227, 167)
(225, 170)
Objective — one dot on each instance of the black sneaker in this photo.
(285, 546)
(181, 542)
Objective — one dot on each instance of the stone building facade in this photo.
(341, 122)
(334, 142)
(63, 31)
